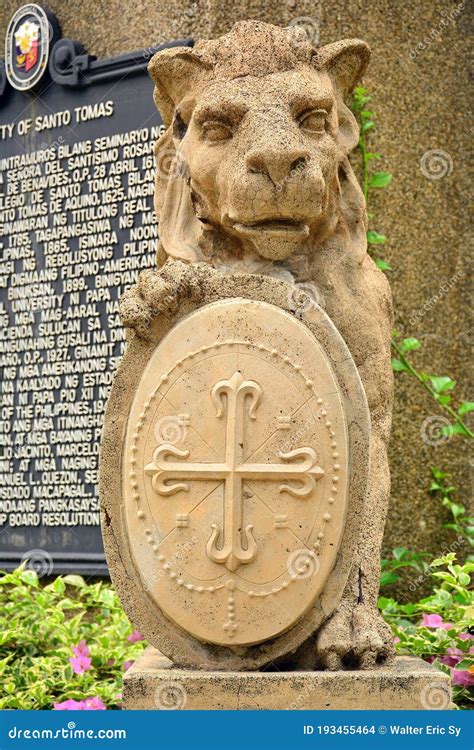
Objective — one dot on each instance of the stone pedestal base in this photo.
(408, 683)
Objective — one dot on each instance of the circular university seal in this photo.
(28, 41)
(228, 467)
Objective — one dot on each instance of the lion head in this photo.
(253, 166)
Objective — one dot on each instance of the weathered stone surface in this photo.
(240, 508)
(253, 177)
(407, 684)
(419, 81)
(166, 546)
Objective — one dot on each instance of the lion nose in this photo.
(277, 165)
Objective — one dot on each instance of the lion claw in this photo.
(357, 639)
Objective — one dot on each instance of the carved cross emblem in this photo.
(234, 399)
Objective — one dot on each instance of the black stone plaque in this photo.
(76, 228)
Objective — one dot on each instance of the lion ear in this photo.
(174, 71)
(345, 61)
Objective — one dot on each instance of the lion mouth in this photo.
(275, 227)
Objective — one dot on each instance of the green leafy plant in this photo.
(440, 387)
(39, 628)
(462, 524)
(438, 628)
(370, 180)
(402, 558)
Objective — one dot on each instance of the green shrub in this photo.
(40, 626)
(439, 628)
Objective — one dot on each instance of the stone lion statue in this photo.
(253, 177)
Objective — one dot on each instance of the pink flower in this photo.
(69, 705)
(127, 665)
(466, 636)
(135, 637)
(89, 704)
(396, 639)
(462, 677)
(94, 704)
(80, 664)
(81, 649)
(435, 621)
(453, 655)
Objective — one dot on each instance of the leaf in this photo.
(449, 558)
(73, 580)
(444, 400)
(400, 552)
(29, 577)
(379, 180)
(383, 265)
(455, 508)
(438, 474)
(465, 664)
(374, 238)
(398, 366)
(459, 429)
(466, 408)
(388, 577)
(58, 585)
(410, 345)
(367, 125)
(442, 383)
(369, 155)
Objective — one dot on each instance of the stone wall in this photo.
(419, 82)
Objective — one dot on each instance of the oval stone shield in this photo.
(236, 473)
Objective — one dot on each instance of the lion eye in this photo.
(314, 121)
(214, 130)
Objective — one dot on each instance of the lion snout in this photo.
(277, 166)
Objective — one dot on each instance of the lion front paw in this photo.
(356, 638)
(157, 293)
